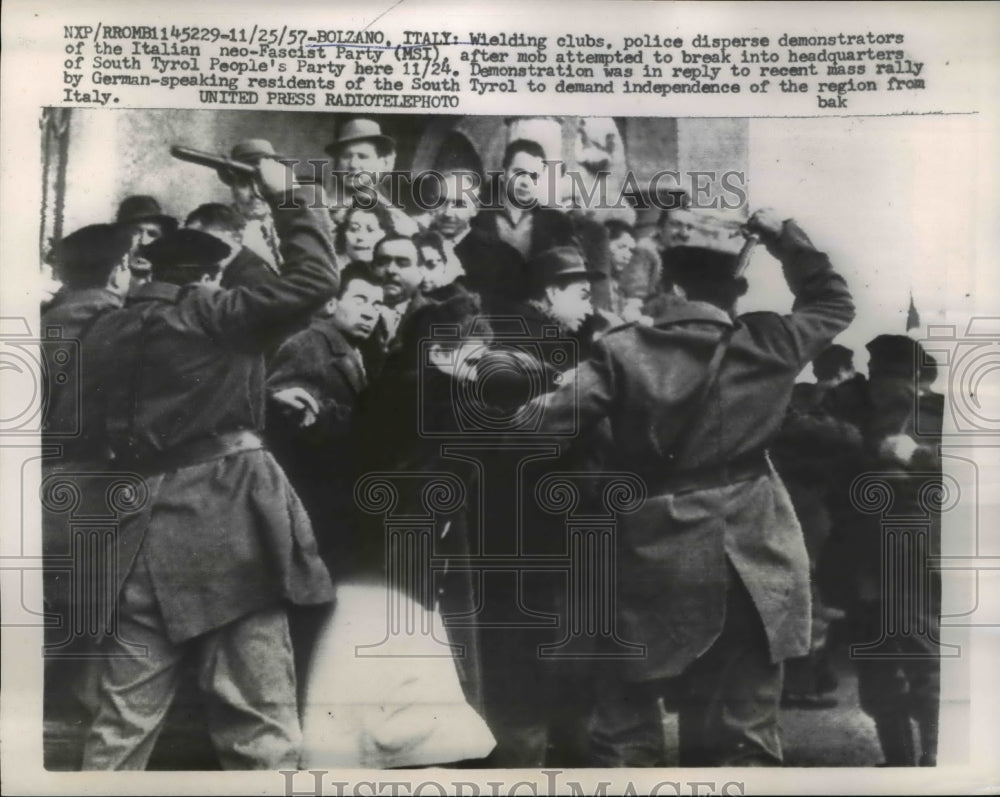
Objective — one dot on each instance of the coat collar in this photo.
(92, 297)
(341, 348)
(683, 310)
(334, 337)
(155, 292)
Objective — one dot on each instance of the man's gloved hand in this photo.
(274, 177)
(767, 224)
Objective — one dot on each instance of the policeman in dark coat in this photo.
(93, 265)
(713, 576)
(223, 544)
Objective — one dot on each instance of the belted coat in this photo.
(712, 498)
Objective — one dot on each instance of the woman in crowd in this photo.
(360, 230)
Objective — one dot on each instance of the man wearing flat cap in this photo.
(209, 563)
(712, 571)
(259, 234)
(144, 220)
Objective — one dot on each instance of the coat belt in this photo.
(197, 451)
(745, 467)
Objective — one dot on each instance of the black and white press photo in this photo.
(444, 441)
(590, 399)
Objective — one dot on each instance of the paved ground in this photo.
(836, 737)
(841, 736)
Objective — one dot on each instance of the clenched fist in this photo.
(766, 223)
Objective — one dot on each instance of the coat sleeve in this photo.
(251, 318)
(582, 401)
(304, 361)
(823, 305)
(299, 362)
(247, 270)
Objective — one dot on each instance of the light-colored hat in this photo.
(360, 130)
(251, 150)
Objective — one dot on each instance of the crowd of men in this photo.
(256, 362)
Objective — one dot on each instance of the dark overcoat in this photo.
(247, 269)
(76, 474)
(673, 551)
(317, 458)
(182, 366)
(497, 271)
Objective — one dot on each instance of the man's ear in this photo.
(550, 293)
(330, 307)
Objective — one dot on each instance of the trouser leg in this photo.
(882, 690)
(571, 709)
(925, 703)
(728, 700)
(304, 625)
(895, 734)
(517, 692)
(247, 671)
(884, 694)
(800, 676)
(133, 690)
(625, 727)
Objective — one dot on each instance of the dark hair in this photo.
(182, 275)
(357, 271)
(532, 148)
(380, 212)
(617, 228)
(706, 275)
(95, 275)
(722, 293)
(429, 238)
(462, 313)
(832, 360)
(215, 214)
(430, 185)
(394, 236)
